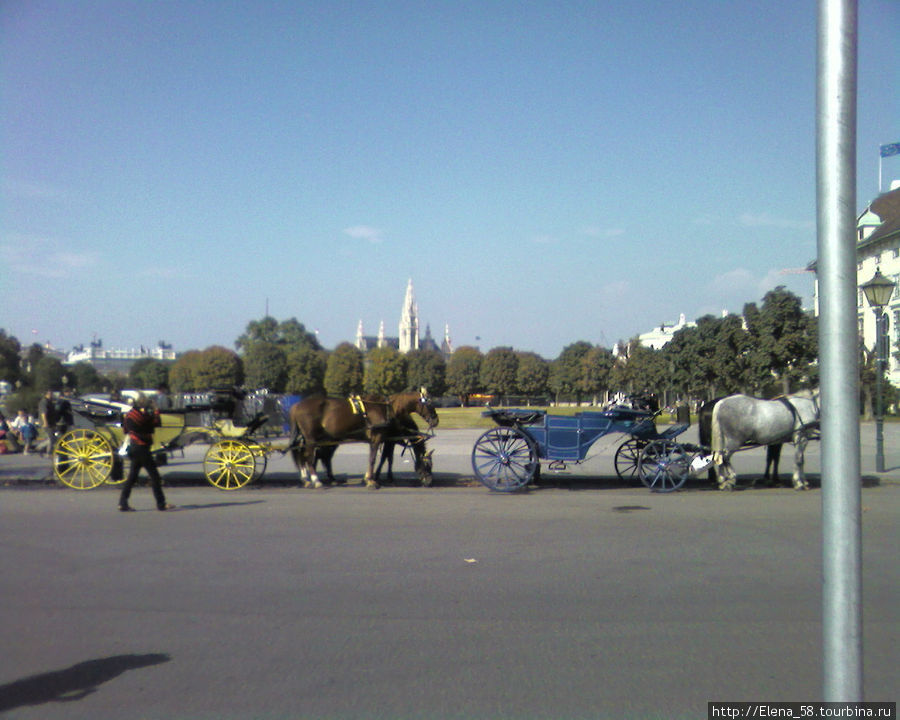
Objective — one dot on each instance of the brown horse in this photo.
(319, 422)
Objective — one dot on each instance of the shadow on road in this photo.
(73, 683)
(211, 506)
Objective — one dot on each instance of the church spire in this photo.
(409, 321)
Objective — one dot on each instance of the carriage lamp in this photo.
(878, 293)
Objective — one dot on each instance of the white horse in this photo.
(742, 421)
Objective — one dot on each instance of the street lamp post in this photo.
(878, 292)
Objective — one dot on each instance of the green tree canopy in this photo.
(182, 374)
(532, 374)
(85, 378)
(385, 372)
(464, 373)
(10, 350)
(265, 366)
(48, 374)
(783, 339)
(596, 365)
(268, 330)
(498, 371)
(218, 367)
(149, 373)
(344, 370)
(566, 370)
(306, 371)
(428, 369)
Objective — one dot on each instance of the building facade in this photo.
(878, 249)
(408, 338)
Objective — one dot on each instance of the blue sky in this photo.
(544, 171)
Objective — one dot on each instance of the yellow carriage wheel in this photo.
(260, 458)
(229, 464)
(82, 459)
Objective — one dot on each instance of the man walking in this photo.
(140, 422)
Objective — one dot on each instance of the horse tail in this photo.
(717, 439)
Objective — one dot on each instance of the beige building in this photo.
(878, 249)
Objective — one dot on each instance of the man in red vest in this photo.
(139, 425)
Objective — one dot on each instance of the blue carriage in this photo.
(508, 457)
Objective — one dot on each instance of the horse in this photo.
(704, 427)
(409, 437)
(319, 422)
(740, 420)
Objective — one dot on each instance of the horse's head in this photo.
(425, 408)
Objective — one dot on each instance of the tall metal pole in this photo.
(838, 348)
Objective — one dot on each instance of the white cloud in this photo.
(739, 281)
(365, 232)
(766, 220)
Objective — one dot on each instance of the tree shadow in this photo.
(73, 683)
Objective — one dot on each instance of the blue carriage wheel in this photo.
(504, 459)
(664, 466)
(626, 459)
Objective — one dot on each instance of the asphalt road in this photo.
(585, 600)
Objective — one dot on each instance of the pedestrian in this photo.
(140, 422)
(6, 435)
(47, 415)
(64, 418)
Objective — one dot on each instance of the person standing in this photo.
(47, 414)
(140, 422)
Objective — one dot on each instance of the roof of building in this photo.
(887, 207)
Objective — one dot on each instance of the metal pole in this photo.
(838, 343)
(879, 397)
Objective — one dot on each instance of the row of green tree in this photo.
(768, 350)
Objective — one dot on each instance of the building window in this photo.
(896, 326)
(859, 326)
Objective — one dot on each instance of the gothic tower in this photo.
(409, 321)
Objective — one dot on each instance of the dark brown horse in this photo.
(320, 422)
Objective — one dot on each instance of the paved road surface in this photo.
(591, 600)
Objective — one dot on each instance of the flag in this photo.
(892, 149)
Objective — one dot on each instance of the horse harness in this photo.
(799, 426)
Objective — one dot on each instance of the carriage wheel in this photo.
(664, 465)
(504, 459)
(260, 458)
(230, 464)
(626, 460)
(82, 459)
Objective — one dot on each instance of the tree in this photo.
(183, 373)
(265, 366)
(498, 371)
(218, 367)
(344, 371)
(464, 373)
(385, 372)
(596, 365)
(566, 371)
(268, 330)
(532, 374)
(305, 371)
(428, 369)
(48, 374)
(85, 378)
(149, 373)
(10, 350)
(783, 338)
